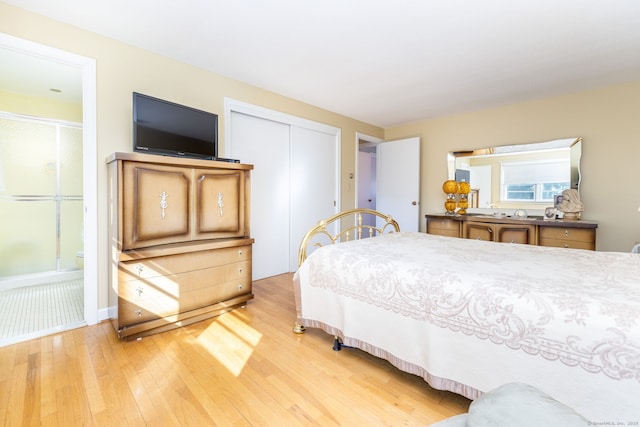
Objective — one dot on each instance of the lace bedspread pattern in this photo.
(579, 307)
(574, 307)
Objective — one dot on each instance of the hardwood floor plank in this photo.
(244, 368)
(15, 404)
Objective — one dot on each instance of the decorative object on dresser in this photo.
(450, 188)
(571, 205)
(463, 202)
(549, 214)
(180, 241)
(528, 230)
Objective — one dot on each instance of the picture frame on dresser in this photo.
(557, 201)
(550, 214)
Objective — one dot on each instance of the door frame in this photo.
(89, 159)
(374, 141)
(371, 140)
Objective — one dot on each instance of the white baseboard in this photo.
(106, 313)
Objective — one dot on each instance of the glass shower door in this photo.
(40, 195)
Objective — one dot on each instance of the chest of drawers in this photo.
(180, 245)
(533, 231)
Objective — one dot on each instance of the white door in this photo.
(265, 144)
(314, 183)
(481, 179)
(367, 184)
(366, 180)
(398, 181)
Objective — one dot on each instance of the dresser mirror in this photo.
(509, 178)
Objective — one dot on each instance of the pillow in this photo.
(522, 405)
(455, 421)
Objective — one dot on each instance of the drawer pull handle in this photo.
(220, 204)
(240, 252)
(139, 269)
(163, 203)
(239, 269)
(566, 245)
(566, 233)
(139, 289)
(138, 312)
(240, 287)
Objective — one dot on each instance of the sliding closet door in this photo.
(314, 186)
(293, 184)
(265, 144)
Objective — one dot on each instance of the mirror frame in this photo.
(575, 155)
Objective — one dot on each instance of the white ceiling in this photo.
(380, 61)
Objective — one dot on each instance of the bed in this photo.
(469, 316)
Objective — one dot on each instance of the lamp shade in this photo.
(450, 187)
(464, 187)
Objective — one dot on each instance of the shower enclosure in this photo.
(41, 208)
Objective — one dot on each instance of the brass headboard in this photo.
(348, 232)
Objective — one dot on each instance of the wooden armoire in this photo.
(180, 245)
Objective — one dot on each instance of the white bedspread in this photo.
(469, 316)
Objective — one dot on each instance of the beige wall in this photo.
(606, 118)
(123, 69)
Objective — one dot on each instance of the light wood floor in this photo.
(244, 368)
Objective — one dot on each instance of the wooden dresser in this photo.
(180, 250)
(533, 231)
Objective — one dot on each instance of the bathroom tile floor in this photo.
(33, 311)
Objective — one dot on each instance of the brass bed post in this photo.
(390, 225)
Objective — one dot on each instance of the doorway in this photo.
(388, 178)
(366, 184)
(78, 214)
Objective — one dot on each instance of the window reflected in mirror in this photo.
(524, 176)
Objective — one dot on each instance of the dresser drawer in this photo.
(172, 264)
(147, 299)
(561, 237)
(443, 227)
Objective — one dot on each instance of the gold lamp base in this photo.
(450, 204)
(463, 203)
(450, 188)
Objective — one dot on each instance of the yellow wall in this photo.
(606, 118)
(122, 69)
(40, 107)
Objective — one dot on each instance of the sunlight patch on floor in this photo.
(230, 341)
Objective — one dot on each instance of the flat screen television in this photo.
(169, 129)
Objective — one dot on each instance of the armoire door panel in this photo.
(219, 204)
(156, 200)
